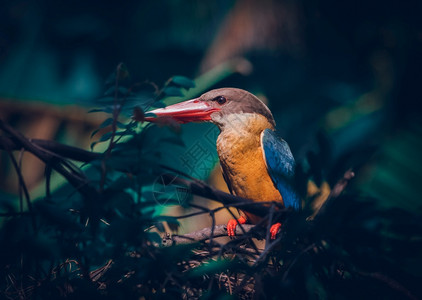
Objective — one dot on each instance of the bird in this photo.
(256, 163)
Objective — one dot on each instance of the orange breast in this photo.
(244, 168)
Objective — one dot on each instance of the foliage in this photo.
(98, 235)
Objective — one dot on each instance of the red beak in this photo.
(188, 111)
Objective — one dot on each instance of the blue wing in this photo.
(281, 166)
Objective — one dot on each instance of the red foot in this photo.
(275, 228)
(231, 225)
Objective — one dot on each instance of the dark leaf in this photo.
(168, 219)
(123, 91)
(93, 145)
(121, 125)
(105, 137)
(96, 110)
(95, 132)
(121, 183)
(183, 82)
(158, 104)
(172, 91)
(154, 237)
(130, 125)
(160, 227)
(111, 79)
(111, 90)
(105, 109)
(106, 123)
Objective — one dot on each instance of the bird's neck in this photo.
(241, 132)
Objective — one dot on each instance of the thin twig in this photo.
(335, 193)
(21, 152)
(79, 181)
(22, 185)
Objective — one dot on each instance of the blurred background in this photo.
(342, 78)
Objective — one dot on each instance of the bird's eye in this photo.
(220, 100)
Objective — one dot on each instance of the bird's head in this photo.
(223, 107)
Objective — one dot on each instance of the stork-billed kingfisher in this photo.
(255, 163)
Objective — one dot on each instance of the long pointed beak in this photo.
(193, 110)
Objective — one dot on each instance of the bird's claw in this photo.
(231, 225)
(275, 228)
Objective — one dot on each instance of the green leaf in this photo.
(172, 91)
(160, 227)
(121, 183)
(108, 135)
(183, 82)
(121, 125)
(156, 104)
(105, 109)
(168, 219)
(123, 90)
(95, 132)
(106, 123)
(110, 91)
(154, 237)
(131, 125)
(95, 110)
(125, 132)
(105, 137)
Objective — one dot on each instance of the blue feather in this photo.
(281, 166)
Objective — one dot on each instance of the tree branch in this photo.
(203, 235)
(74, 153)
(76, 179)
(200, 188)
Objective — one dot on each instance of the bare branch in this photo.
(74, 153)
(22, 185)
(78, 180)
(203, 235)
(200, 188)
